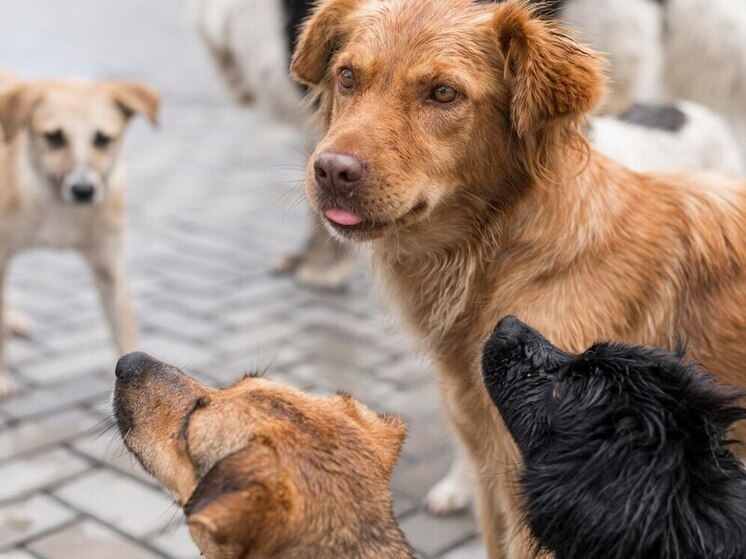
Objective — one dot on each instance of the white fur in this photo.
(247, 40)
(705, 142)
(629, 32)
(706, 56)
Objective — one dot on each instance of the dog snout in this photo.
(338, 173)
(83, 192)
(134, 364)
(510, 328)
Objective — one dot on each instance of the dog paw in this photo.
(286, 264)
(16, 324)
(8, 386)
(334, 278)
(449, 496)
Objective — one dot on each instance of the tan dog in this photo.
(264, 471)
(62, 182)
(454, 146)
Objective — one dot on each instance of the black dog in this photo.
(624, 449)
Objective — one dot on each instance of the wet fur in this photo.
(625, 449)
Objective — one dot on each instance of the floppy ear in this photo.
(548, 75)
(16, 107)
(320, 38)
(242, 502)
(136, 98)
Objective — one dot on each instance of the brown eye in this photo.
(346, 79)
(101, 140)
(443, 94)
(55, 139)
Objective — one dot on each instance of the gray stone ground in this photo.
(212, 199)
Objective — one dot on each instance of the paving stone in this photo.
(436, 535)
(23, 520)
(54, 397)
(58, 368)
(39, 471)
(107, 449)
(176, 543)
(16, 554)
(473, 549)
(87, 539)
(37, 433)
(132, 507)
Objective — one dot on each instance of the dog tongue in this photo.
(343, 217)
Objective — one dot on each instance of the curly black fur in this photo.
(624, 448)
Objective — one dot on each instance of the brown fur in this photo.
(262, 470)
(495, 205)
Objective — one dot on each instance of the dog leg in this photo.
(455, 492)
(108, 270)
(7, 384)
(16, 324)
(325, 262)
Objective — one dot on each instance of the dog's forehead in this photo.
(78, 105)
(436, 28)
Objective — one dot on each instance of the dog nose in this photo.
(511, 328)
(83, 191)
(133, 364)
(338, 173)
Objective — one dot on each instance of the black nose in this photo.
(338, 173)
(135, 363)
(83, 191)
(512, 328)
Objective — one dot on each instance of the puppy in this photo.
(264, 471)
(62, 181)
(454, 149)
(624, 448)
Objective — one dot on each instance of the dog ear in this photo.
(136, 98)
(319, 39)
(548, 75)
(16, 108)
(392, 436)
(241, 501)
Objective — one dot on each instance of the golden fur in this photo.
(493, 205)
(263, 470)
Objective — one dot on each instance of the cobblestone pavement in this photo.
(212, 200)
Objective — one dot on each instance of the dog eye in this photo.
(346, 79)
(101, 140)
(557, 393)
(56, 139)
(443, 94)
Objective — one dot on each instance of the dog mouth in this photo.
(352, 224)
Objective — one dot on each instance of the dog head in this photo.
(261, 469)
(434, 104)
(75, 130)
(624, 448)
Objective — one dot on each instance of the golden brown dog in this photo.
(262, 470)
(62, 181)
(453, 144)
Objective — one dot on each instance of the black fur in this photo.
(296, 12)
(662, 117)
(624, 449)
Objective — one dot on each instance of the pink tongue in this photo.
(342, 217)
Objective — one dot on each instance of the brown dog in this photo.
(262, 470)
(454, 144)
(62, 181)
